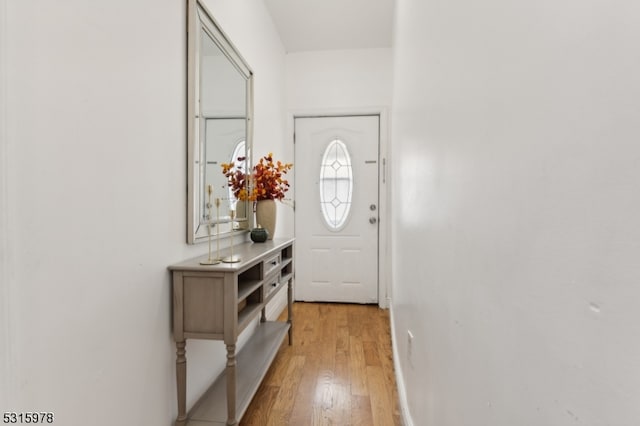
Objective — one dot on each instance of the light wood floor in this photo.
(339, 371)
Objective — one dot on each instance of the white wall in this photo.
(5, 341)
(93, 182)
(338, 79)
(517, 170)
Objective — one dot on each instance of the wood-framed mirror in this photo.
(220, 126)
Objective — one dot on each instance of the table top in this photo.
(248, 252)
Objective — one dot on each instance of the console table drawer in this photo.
(271, 283)
(271, 264)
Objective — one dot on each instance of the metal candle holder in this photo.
(210, 260)
(218, 229)
(231, 258)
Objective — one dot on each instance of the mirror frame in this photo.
(199, 19)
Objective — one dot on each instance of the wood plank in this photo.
(261, 405)
(342, 339)
(341, 404)
(358, 367)
(305, 397)
(288, 390)
(380, 397)
(335, 373)
(371, 355)
(361, 414)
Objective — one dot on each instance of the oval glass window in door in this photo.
(336, 185)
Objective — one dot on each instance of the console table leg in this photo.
(290, 309)
(231, 385)
(181, 379)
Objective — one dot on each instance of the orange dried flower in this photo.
(266, 181)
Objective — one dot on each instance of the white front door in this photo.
(336, 208)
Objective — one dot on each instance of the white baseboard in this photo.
(402, 392)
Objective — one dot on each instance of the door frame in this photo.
(384, 210)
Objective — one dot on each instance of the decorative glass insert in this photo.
(336, 185)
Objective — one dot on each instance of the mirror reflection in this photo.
(225, 142)
(219, 112)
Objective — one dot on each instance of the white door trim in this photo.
(384, 257)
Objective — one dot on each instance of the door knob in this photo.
(372, 220)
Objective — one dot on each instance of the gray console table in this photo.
(218, 302)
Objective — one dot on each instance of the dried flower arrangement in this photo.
(265, 182)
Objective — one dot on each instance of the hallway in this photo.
(339, 371)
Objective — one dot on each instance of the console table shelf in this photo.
(246, 288)
(253, 361)
(218, 302)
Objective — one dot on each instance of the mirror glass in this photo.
(219, 114)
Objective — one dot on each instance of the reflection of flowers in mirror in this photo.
(265, 182)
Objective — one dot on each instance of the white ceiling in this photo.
(332, 24)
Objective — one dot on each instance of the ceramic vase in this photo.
(266, 216)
